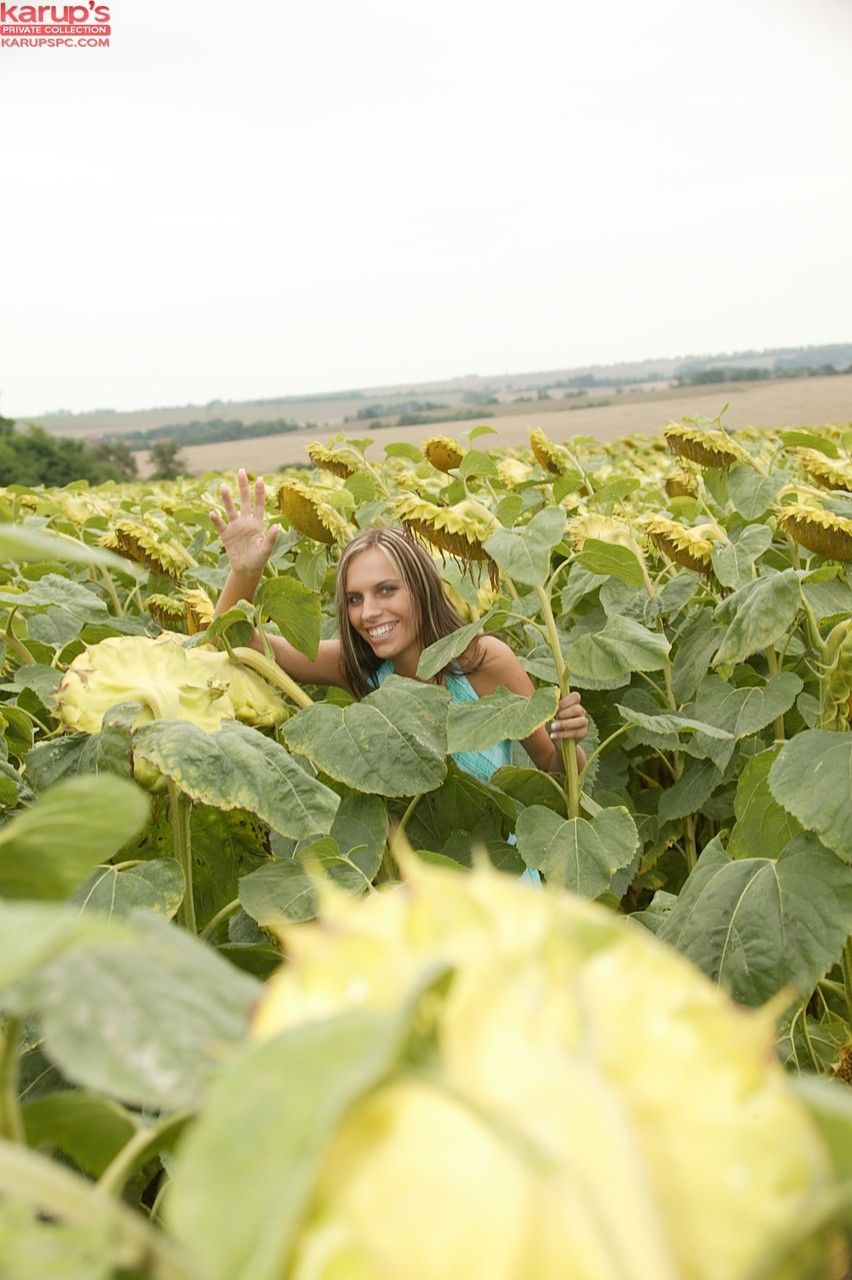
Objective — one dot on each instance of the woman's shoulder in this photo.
(496, 667)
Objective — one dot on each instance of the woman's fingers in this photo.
(228, 502)
(259, 508)
(243, 486)
(571, 719)
(217, 522)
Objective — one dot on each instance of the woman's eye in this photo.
(387, 591)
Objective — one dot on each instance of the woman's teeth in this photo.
(376, 633)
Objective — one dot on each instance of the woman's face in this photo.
(381, 609)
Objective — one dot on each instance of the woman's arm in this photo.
(501, 669)
(249, 545)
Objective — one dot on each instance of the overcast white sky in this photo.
(244, 200)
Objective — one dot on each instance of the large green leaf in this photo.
(89, 1129)
(750, 494)
(733, 561)
(31, 936)
(283, 889)
(33, 1245)
(696, 784)
(530, 786)
(580, 582)
(157, 885)
(442, 652)
(610, 558)
(266, 1128)
(43, 681)
(21, 544)
(812, 779)
(581, 854)
(757, 615)
(745, 710)
(47, 850)
(361, 828)
(606, 659)
(144, 1021)
(350, 856)
(238, 768)
(475, 726)
(524, 554)
(465, 810)
(758, 924)
(66, 607)
(697, 644)
(294, 609)
(669, 722)
(392, 743)
(762, 826)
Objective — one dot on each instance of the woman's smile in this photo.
(381, 610)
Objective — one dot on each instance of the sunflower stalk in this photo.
(180, 807)
(847, 977)
(568, 750)
(11, 1123)
(774, 668)
(145, 1142)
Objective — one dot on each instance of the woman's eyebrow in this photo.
(383, 582)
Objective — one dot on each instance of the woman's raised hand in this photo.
(247, 542)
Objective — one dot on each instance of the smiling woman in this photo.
(391, 606)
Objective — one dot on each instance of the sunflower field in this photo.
(274, 1001)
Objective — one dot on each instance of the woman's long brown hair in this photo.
(435, 616)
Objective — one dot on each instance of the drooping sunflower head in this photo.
(149, 545)
(828, 534)
(681, 485)
(459, 530)
(551, 456)
(709, 448)
(689, 546)
(512, 471)
(831, 474)
(444, 454)
(591, 524)
(305, 510)
(167, 611)
(198, 609)
(340, 462)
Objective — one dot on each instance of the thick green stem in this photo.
(144, 1143)
(20, 650)
(690, 846)
(111, 592)
(181, 812)
(11, 1124)
(404, 820)
(847, 977)
(812, 628)
(32, 1179)
(568, 750)
(772, 663)
(220, 917)
(603, 745)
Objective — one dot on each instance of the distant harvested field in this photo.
(778, 403)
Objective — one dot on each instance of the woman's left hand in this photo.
(571, 724)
